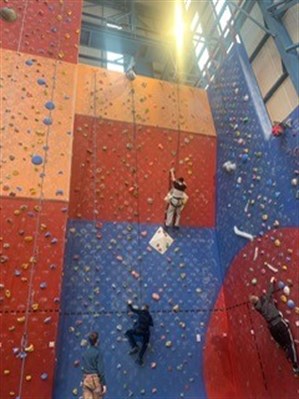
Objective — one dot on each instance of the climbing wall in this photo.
(127, 137)
(260, 198)
(38, 51)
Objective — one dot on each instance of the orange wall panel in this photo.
(154, 102)
(28, 84)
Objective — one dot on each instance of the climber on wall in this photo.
(141, 329)
(278, 326)
(176, 200)
(94, 382)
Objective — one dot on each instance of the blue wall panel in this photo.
(259, 192)
(97, 284)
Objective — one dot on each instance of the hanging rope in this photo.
(136, 185)
(35, 250)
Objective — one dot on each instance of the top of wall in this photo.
(146, 101)
(43, 28)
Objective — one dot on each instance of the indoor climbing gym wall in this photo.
(38, 55)
(257, 236)
(127, 135)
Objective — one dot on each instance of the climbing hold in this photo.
(243, 234)
(44, 376)
(271, 267)
(8, 14)
(229, 166)
(47, 121)
(277, 243)
(254, 281)
(290, 303)
(168, 344)
(41, 81)
(29, 348)
(37, 160)
(176, 308)
(156, 296)
(286, 290)
(50, 105)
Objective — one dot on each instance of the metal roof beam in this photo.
(283, 42)
(278, 9)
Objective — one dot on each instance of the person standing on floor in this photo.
(141, 329)
(94, 382)
(278, 326)
(176, 199)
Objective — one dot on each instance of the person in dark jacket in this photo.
(94, 382)
(141, 329)
(278, 326)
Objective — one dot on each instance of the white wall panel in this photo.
(267, 66)
(291, 22)
(283, 102)
(251, 33)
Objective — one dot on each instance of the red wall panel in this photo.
(260, 368)
(122, 171)
(39, 364)
(25, 225)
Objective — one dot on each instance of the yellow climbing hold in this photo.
(29, 348)
(28, 378)
(7, 293)
(277, 243)
(28, 239)
(283, 298)
(21, 319)
(6, 372)
(35, 306)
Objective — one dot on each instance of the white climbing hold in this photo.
(256, 252)
(271, 267)
(243, 234)
(229, 166)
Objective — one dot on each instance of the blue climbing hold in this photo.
(280, 285)
(29, 62)
(50, 105)
(37, 160)
(291, 304)
(48, 121)
(41, 81)
(44, 376)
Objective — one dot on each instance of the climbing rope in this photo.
(136, 184)
(35, 250)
